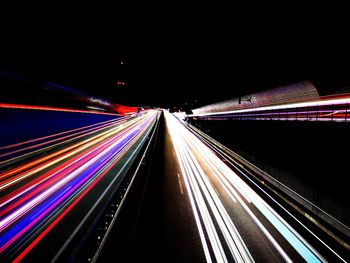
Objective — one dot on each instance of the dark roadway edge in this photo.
(328, 225)
(117, 242)
(156, 223)
(93, 237)
(142, 168)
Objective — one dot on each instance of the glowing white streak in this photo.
(282, 106)
(199, 184)
(221, 179)
(221, 170)
(264, 230)
(256, 220)
(290, 234)
(194, 178)
(246, 208)
(283, 227)
(194, 209)
(209, 224)
(303, 226)
(217, 165)
(219, 146)
(199, 201)
(232, 237)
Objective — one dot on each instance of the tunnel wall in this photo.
(296, 92)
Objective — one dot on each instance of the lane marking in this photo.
(180, 183)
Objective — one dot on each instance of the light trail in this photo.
(32, 194)
(91, 141)
(48, 108)
(83, 131)
(82, 146)
(204, 175)
(325, 109)
(229, 155)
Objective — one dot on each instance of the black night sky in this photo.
(92, 168)
(177, 59)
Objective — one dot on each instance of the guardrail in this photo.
(311, 208)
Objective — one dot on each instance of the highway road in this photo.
(234, 223)
(53, 188)
(194, 206)
(164, 228)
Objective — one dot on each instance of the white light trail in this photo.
(200, 169)
(325, 102)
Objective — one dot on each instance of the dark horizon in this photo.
(93, 167)
(170, 64)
